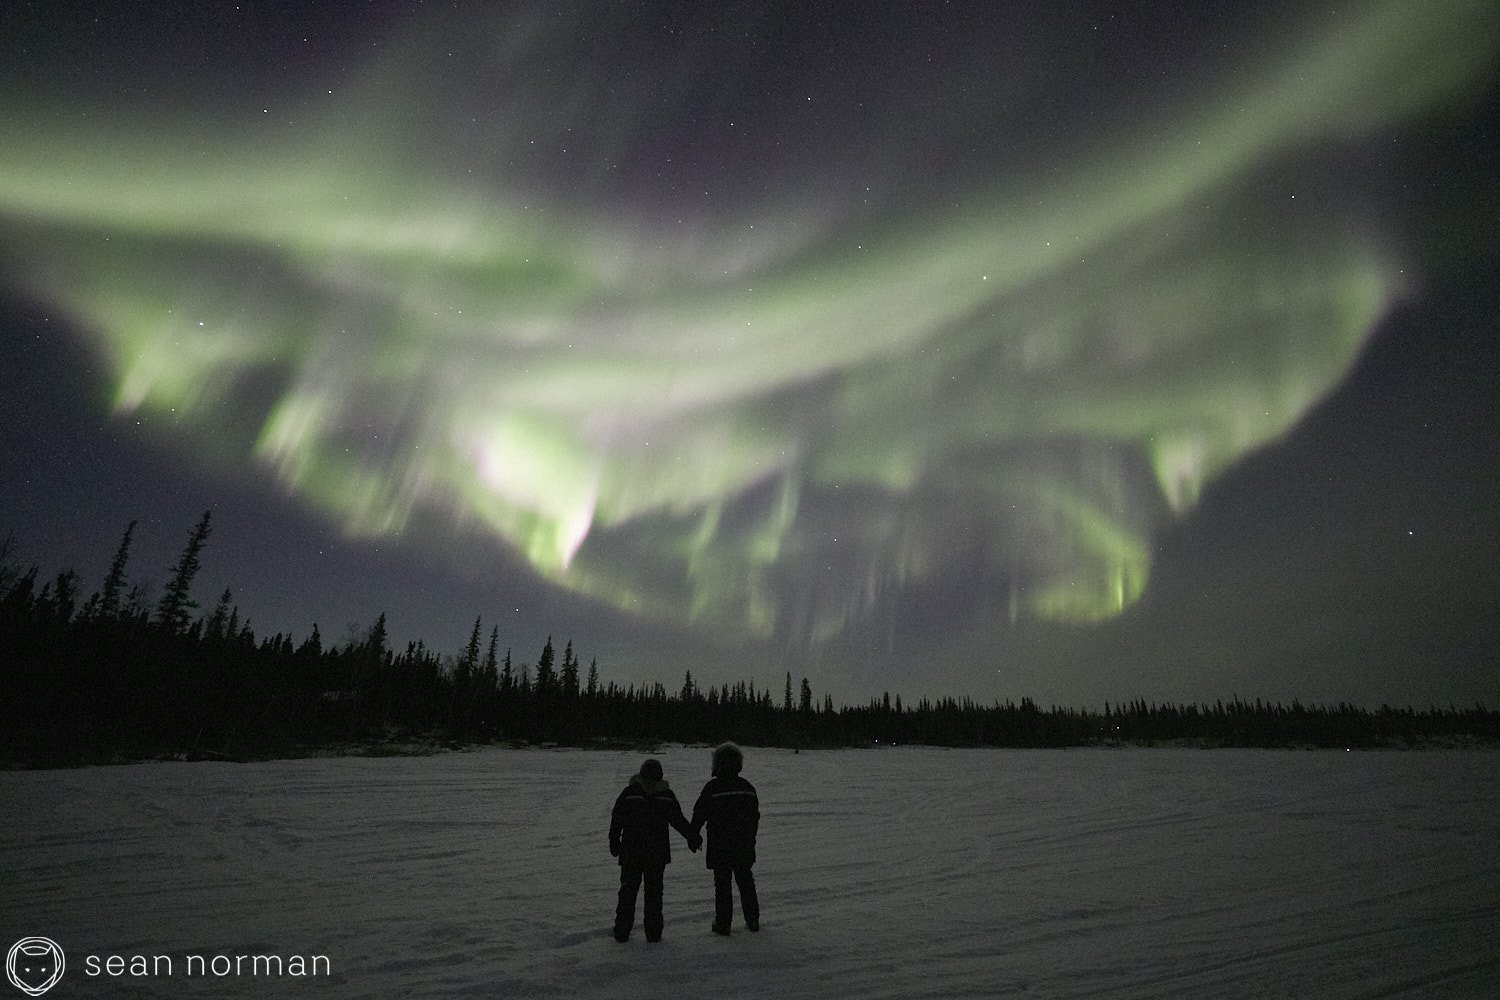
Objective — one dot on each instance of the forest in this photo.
(117, 677)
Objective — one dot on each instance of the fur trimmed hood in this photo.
(650, 787)
(728, 760)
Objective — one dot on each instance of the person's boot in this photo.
(719, 929)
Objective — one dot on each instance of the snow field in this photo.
(891, 872)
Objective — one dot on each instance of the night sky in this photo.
(1071, 350)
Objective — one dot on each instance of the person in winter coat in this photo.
(638, 837)
(731, 809)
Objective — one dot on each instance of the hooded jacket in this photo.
(731, 809)
(638, 824)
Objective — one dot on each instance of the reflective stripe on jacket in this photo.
(731, 809)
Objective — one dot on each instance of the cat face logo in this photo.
(34, 965)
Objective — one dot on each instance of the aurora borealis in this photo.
(755, 347)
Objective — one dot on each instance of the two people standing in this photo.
(728, 806)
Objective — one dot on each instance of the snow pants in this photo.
(724, 900)
(630, 884)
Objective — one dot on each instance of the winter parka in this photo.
(731, 809)
(638, 824)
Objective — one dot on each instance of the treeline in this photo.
(951, 722)
(116, 676)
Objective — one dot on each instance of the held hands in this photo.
(694, 842)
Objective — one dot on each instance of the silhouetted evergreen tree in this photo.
(138, 600)
(59, 598)
(114, 581)
(470, 660)
(569, 674)
(377, 642)
(21, 595)
(176, 602)
(546, 676)
(312, 646)
(219, 623)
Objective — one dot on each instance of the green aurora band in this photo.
(776, 427)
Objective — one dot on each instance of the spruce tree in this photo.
(66, 589)
(21, 596)
(569, 673)
(312, 647)
(114, 582)
(218, 624)
(176, 602)
(138, 601)
(546, 676)
(491, 661)
(470, 661)
(376, 642)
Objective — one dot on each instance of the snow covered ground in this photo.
(905, 872)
